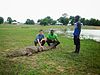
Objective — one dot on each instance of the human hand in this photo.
(42, 47)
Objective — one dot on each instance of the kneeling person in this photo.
(52, 38)
(40, 39)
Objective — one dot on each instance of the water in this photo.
(85, 34)
(88, 34)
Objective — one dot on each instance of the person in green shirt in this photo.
(52, 39)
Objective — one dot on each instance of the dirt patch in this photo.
(60, 68)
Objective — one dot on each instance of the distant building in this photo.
(59, 23)
(15, 23)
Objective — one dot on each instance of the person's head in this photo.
(40, 31)
(77, 18)
(51, 32)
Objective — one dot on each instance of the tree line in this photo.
(63, 20)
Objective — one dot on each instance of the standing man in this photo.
(77, 31)
(52, 38)
(40, 39)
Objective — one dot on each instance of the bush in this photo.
(1, 20)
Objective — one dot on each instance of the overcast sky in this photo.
(20, 10)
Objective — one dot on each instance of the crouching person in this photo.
(40, 39)
(52, 39)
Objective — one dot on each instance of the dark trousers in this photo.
(54, 42)
(42, 43)
(77, 44)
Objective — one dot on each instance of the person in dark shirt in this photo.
(40, 39)
(77, 31)
(52, 39)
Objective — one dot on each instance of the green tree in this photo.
(9, 19)
(1, 20)
(53, 22)
(63, 20)
(46, 21)
(32, 22)
(87, 22)
(83, 20)
(92, 21)
(97, 22)
(14, 21)
(28, 21)
(72, 20)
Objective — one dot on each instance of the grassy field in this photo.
(60, 61)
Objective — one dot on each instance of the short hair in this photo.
(52, 30)
(77, 17)
(40, 30)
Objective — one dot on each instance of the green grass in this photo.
(60, 61)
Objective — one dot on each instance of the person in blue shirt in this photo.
(77, 31)
(40, 39)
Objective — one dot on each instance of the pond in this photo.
(91, 34)
(85, 33)
(88, 34)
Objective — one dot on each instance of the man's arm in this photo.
(39, 43)
(56, 37)
(79, 27)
